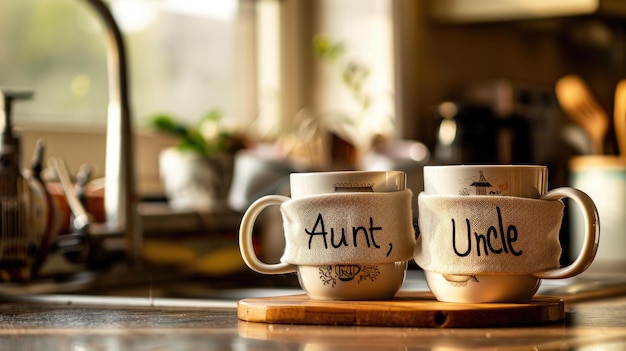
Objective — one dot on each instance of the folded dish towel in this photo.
(348, 228)
(488, 234)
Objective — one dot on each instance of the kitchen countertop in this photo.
(82, 323)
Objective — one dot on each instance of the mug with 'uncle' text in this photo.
(490, 233)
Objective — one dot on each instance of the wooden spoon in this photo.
(619, 116)
(579, 103)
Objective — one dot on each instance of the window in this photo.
(186, 56)
(366, 30)
(180, 53)
(291, 78)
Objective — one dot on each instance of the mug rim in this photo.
(337, 173)
(314, 183)
(523, 180)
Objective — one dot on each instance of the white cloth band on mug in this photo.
(487, 234)
(348, 228)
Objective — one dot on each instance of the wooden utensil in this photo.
(619, 116)
(579, 103)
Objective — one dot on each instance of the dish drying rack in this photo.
(19, 234)
(29, 216)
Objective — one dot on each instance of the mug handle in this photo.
(245, 237)
(591, 237)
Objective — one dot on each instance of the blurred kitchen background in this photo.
(304, 85)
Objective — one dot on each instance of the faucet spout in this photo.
(120, 198)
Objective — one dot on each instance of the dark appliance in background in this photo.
(497, 121)
(469, 134)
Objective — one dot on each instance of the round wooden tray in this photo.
(407, 309)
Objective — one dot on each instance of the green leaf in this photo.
(191, 137)
(167, 124)
(327, 49)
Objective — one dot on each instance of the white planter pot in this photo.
(195, 182)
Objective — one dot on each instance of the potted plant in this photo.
(197, 173)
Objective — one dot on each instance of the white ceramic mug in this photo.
(335, 282)
(505, 180)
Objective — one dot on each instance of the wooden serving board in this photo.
(407, 309)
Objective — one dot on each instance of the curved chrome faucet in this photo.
(120, 198)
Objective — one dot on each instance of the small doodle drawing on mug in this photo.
(483, 186)
(330, 274)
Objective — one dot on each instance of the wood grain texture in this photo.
(407, 309)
